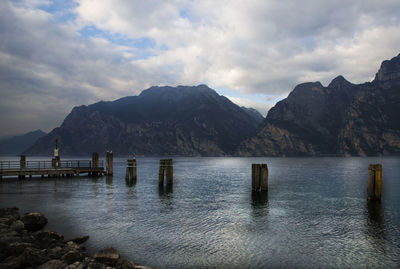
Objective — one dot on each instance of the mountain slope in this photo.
(189, 121)
(340, 119)
(17, 144)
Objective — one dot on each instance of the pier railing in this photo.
(10, 165)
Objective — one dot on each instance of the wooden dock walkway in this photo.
(64, 168)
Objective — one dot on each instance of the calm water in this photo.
(315, 214)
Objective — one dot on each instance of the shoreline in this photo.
(24, 243)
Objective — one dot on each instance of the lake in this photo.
(315, 214)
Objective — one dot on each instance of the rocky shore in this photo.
(24, 244)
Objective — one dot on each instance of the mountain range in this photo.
(340, 119)
(183, 120)
(14, 145)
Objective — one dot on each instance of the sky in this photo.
(55, 55)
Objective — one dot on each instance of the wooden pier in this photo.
(64, 168)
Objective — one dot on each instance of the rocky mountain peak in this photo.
(339, 83)
(389, 71)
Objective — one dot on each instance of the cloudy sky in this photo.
(55, 55)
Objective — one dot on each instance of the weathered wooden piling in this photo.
(22, 162)
(109, 163)
(259, 177)
(95, 160)
(22, 165)
(131, 170)
(165, 168)
(374, 184)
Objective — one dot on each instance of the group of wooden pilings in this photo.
(165, 171)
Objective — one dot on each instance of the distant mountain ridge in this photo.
(183, 120)
(15, 145)
(340, 119)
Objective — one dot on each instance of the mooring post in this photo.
(131, 170)
(166, 168)
(264, 177)
(22, 162)
(109, 163)
(259, 177)
(169, 172)
(95, 160)
(374, 184)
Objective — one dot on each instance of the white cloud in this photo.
(251, 47)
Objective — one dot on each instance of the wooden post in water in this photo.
(95, 160)
(259, 177)
(109, 163)
(374, 184)
(22, 165)
(165, 168)
(130, 170)
(22, 162)
(264, 177)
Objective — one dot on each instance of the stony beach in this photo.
(24, 243)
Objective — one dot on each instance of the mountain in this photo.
(15, 145)
(253, 113)
(185, 121)
(340, 119)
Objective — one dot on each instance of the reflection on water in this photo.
(166, 195)
(375, 221)
(109, 180)
(259, 203)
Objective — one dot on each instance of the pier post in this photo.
(95, 160)
(109, 163)
(264, 177)
(131, 172)
(22, 165)
(165, 168)
(374, 184)
(259, 177)
(22, 162)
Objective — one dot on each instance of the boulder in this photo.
(10, 211)
(52, 264)
(79, 240)
(34, 257)
(49, 239)
(109, 256)
(34, 221)
(75, 265)
(17, 226)
(11, 263)
(72, 256)
(125, 264)
(96, 265)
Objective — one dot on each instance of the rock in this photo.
(16, 248)
(108, 256)
(11, 211)
(11, 263)
(72, 256)
(34, 257)
(56, 252)
(34, 221)
(79, 240)
(96, 265)
(52, 264)
(17, 226)
(75, 265)
(125, 264)
(49, 239)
